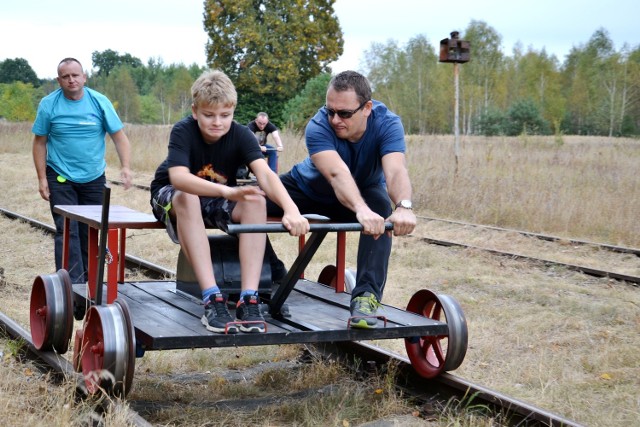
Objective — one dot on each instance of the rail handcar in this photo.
(136, 317)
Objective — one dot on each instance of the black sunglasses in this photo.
(344, 114)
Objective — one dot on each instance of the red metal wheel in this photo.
(349, 279)
(108, 354)
(122, 388)
(431, 355)
(77, 351)
(328, 276)
(51, 312)
(458, 332)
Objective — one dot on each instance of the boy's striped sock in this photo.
(250, 293)
(208, 292)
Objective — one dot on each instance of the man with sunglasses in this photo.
(356, 171)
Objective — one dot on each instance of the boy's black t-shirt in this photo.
(217, 162)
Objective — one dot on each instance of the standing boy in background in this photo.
(262, 128)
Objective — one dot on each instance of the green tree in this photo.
(109, 59)
(147, 76)
(272, 48)
(17, 102)
(18, 70)
(179, 93)
(301, 108)
(630, 113)
(480, 86)
(524, 118)
(160, 90)
(595, 77)
(150, 110)
(536, 76)
(491, 123)
(409, 81)
(122, 91)
(385, 64)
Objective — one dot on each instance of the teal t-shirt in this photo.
(75, 132)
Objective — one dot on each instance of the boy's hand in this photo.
(295, 223)
(245, 192)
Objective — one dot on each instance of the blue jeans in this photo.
(72, 193)
(373, 255)
(272, 157)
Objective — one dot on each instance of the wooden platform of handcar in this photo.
(164, 318)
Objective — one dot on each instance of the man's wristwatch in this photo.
(404, 204)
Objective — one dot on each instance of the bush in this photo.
(299, 110)
(524, 117)
(491, 123)
(17, 102)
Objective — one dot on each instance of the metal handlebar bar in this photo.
(279, 228)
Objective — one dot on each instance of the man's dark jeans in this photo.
(272, 157)
(373, 254)
(72, 193)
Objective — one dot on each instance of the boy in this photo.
(195, 187)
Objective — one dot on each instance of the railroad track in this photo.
(612, 248)
(591, 271)
(441, 389)
(156, 271)
(545, 237)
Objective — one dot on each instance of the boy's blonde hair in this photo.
(214, 88)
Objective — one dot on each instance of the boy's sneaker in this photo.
(249, 316)
(216, 317)
(363, 311)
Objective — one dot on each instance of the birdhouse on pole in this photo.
(454, 50)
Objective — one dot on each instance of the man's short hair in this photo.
(67, 60)
(351, 80)
(214, 88)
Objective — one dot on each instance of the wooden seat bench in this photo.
(122, 218)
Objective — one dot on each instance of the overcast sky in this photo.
(45, 31)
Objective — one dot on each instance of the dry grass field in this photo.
(551, 337)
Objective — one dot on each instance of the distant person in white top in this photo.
(262, 128)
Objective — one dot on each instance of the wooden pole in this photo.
(456, 120)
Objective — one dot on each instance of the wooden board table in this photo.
(121, 218)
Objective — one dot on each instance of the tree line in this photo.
(278, 55)
(595, 91)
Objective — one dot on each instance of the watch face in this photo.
(405, 204)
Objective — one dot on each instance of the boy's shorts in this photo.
(216, 211)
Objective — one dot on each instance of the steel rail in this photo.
(159, 272)
(445, 385)
(153, 270)
(59, 365)
(580, 268)
(612, 248)
(442, 388)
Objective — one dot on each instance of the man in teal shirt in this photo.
(69, 155)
